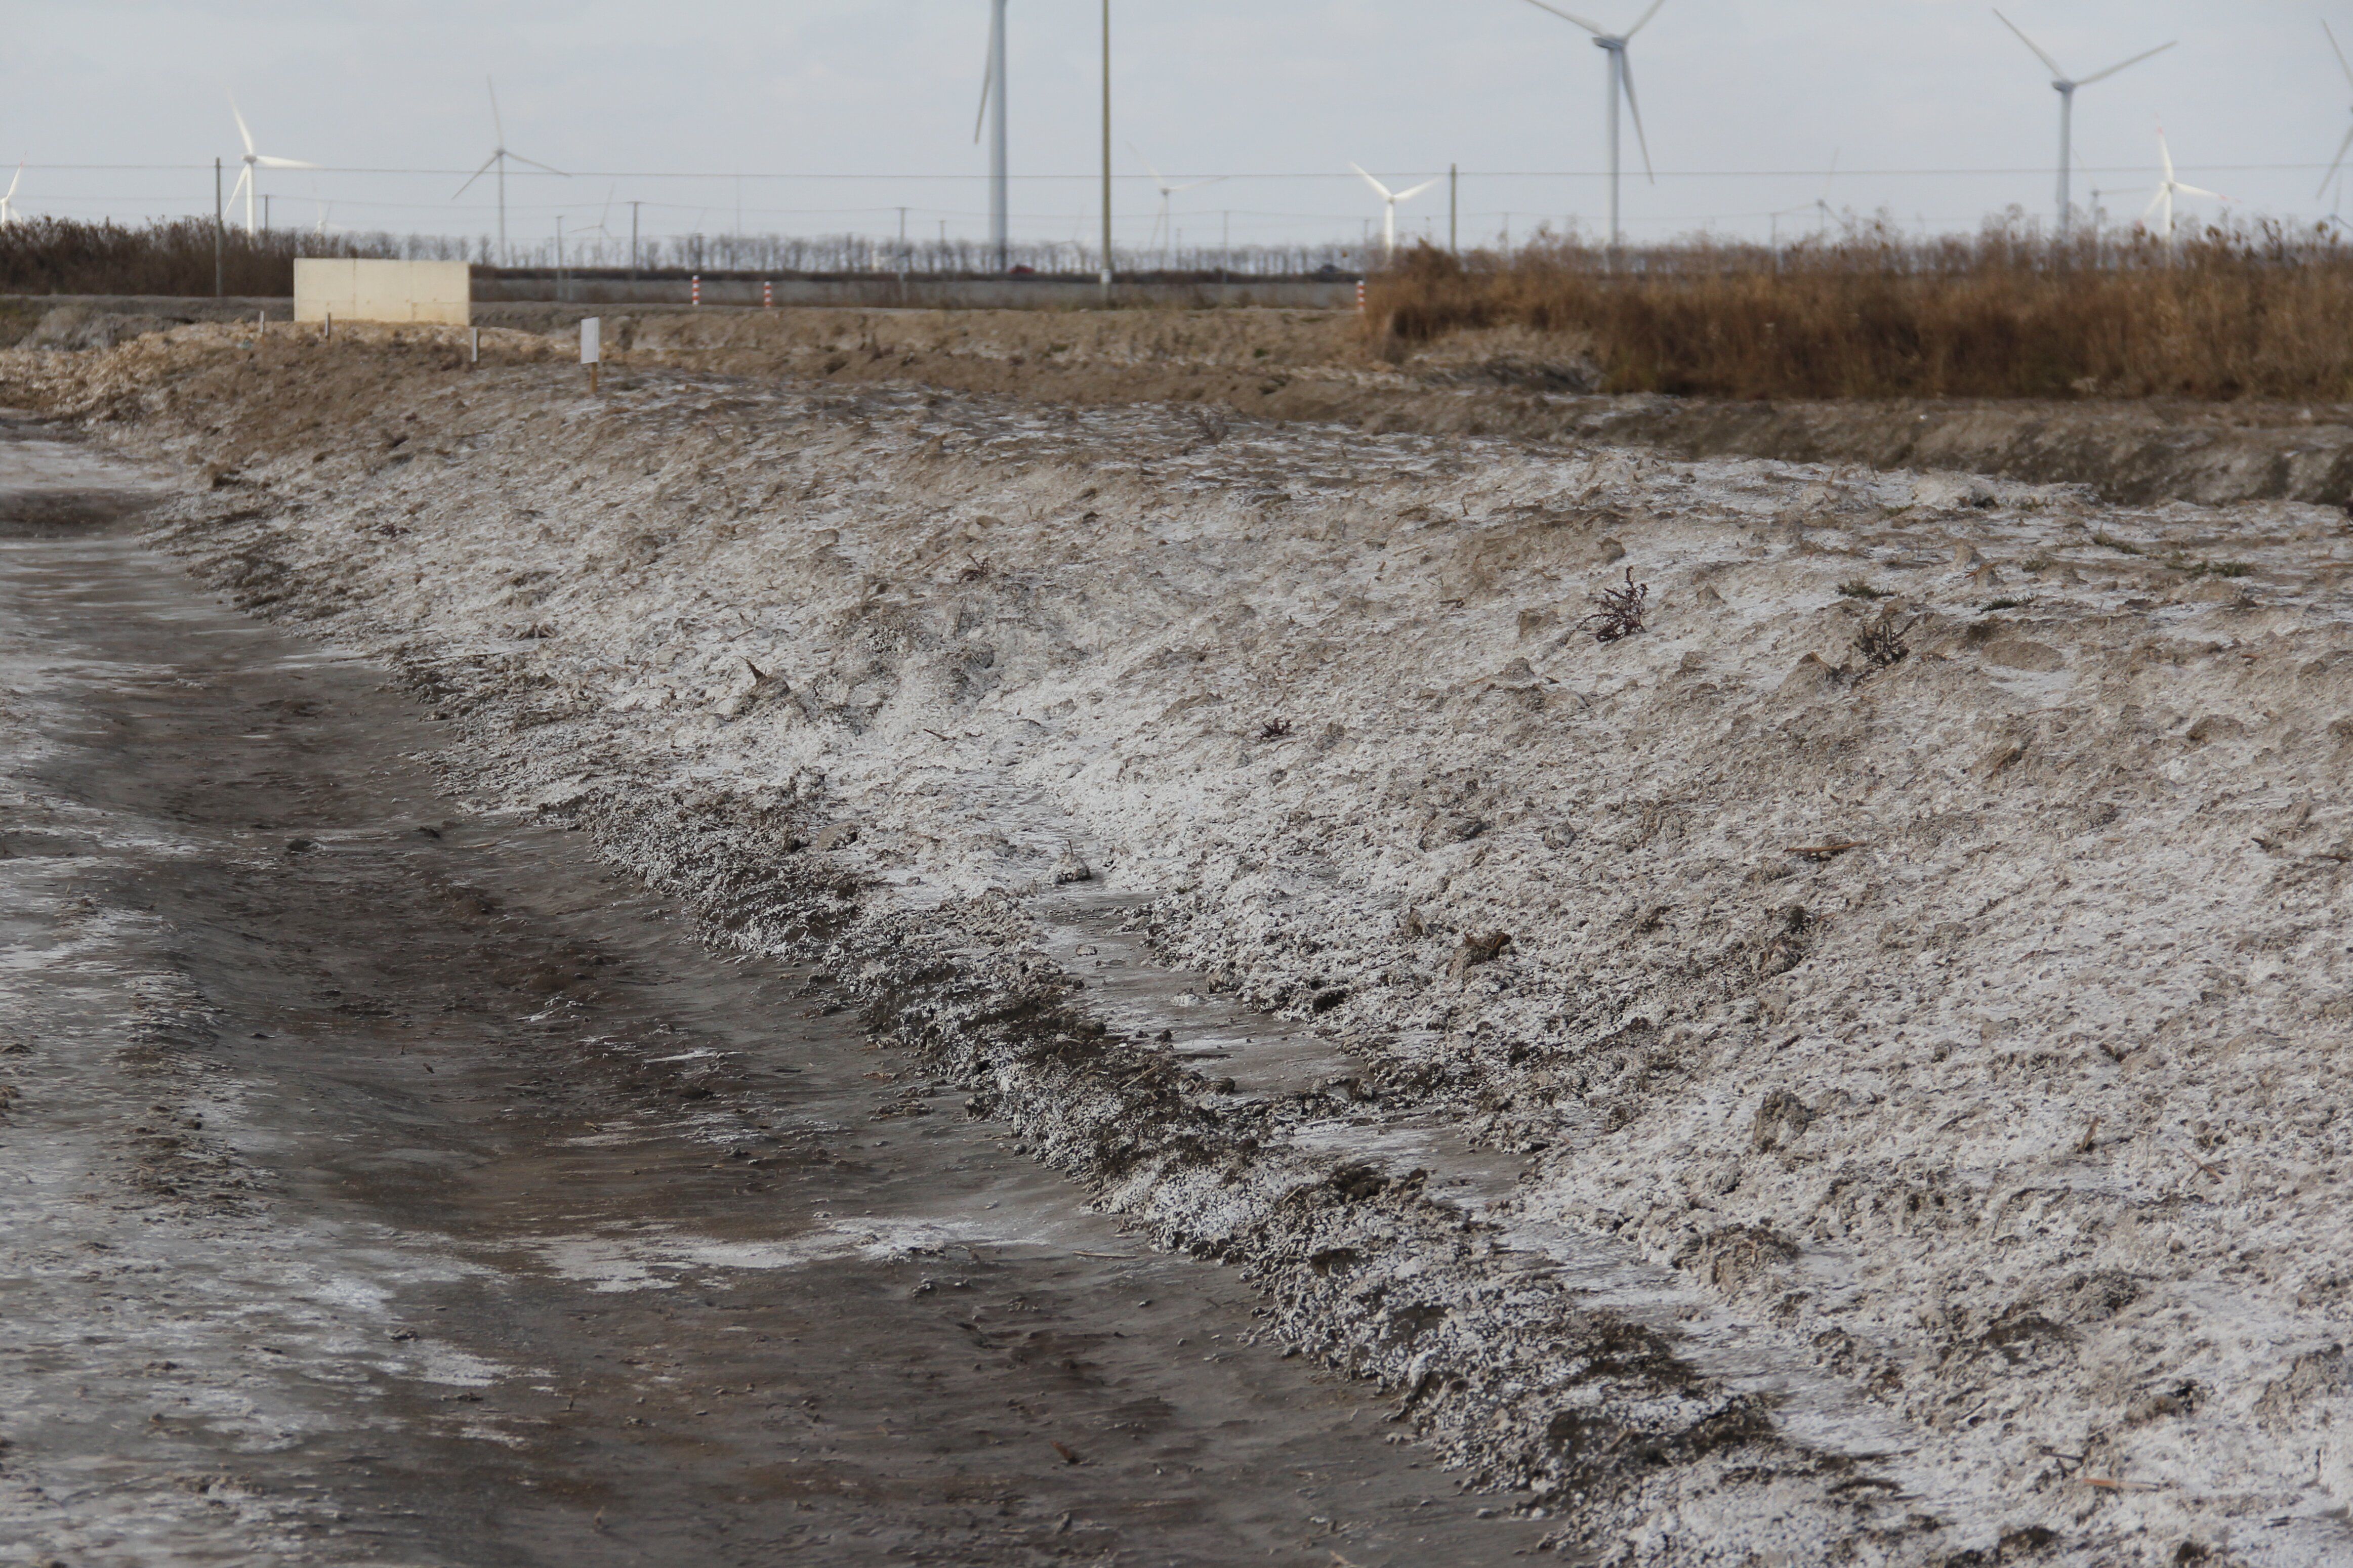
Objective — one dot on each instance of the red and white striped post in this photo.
(767, 295)
(694, 290)
(1360, 296)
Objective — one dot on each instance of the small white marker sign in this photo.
(592, 331)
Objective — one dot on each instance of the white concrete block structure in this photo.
(355, 290)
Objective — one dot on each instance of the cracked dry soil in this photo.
(387, 1181)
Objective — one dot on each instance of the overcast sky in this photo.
(837, 112)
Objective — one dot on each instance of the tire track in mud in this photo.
(404, 1185)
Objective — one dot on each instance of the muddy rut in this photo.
(394, 1182)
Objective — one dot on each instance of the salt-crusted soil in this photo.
(1909, 976)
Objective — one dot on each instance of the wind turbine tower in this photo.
(2065, 86)
(992, 115)
(499, 156)
(1621, 78)
(8, 201)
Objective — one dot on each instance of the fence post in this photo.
(767, 294)
(1360, 296)
(694, 291)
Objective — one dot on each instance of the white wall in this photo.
(382, 290)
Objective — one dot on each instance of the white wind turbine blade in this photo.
(536, 163)
(2144, 54)
(1645, 19)
(2342, 62)
(988, 77)
(1565, 17)
(477, 174)
(1156, 178)
(20, 174)
(2031, 44)
(1626, 78)
(244, 176)
(1404, 196)
(497, 124)
(267, 162)
(2337, 163)
(241, 130)
(1215, 179)
(2165, 155)
(1377, 185)
(2182, 190)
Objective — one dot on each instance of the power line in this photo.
(1989, 172)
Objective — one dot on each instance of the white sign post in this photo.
(592, 347)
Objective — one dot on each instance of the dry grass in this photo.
(2260, 313)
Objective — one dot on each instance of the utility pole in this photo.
(217, 228)
(1106, 153)
(1453, 208)
(265, 213)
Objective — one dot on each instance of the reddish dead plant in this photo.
(1618, 612)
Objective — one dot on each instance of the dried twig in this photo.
(1274, 730)
(1824, 851)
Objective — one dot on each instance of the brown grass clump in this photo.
(2259, 312)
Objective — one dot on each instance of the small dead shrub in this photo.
(1618, 612)
(1859, 589)
(1880, 642)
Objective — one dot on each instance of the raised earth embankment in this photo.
(1915, 956)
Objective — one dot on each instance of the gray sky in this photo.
(835, 113)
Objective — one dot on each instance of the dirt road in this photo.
(390, 1182)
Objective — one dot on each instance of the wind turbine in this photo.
(1160, 223)
(992, 95)
(2065, 86)
(1621, 78)
(500, 155)
(8, 201)
(2347, 145)
(2168, 187)
(1388, 212)
(253, 161)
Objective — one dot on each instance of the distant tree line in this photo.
(175, 256)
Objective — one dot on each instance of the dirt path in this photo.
(387, 1183)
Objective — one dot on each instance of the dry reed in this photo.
(2265, 312)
